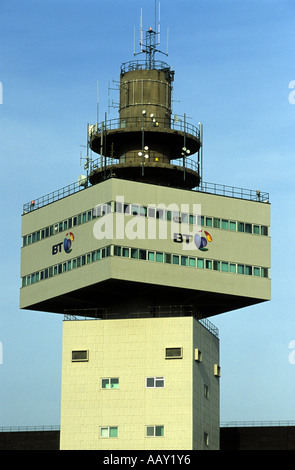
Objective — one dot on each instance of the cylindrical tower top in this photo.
(142, 143)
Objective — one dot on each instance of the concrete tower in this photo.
(137, 255)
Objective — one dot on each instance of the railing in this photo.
(242, 424)
(210, 188)
(143, 65)
(150, 312)
(152, 157)
(136, 121)
(232, 191)
(28, 428)
(52, 197)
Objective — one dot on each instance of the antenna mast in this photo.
(152, 40)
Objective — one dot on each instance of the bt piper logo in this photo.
(200, 241)
(67, 244)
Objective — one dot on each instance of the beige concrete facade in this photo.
(182, 405)
(214, 280)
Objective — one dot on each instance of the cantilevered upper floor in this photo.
(126, 246)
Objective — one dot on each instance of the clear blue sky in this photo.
(233, 62)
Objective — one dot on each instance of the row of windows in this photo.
(151, 382)
(112, 383)
(148, 255)
(107, 432)
(150, 431)
(137, 210)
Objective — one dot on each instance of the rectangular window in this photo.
(80, 356)
(216, 265)
(216, 223)
(109, 431)
(154, 431)
(233, 226)
(200, 263)
(184, 261)
(125, 252)
(208, 264)
(248, 228)
(117, 250)
(256, 229)
(208, 221)
(142, 254)
(241, 227)
(110, 383)
(173, 353)
(151, 256)
(264, 230)
(224, 266)
(264, 272)
(192, 262)
(233, 268)
(175, 259)
(154, 382)
(134, 253)
(241, 269)
(224, 224)
(256, 271)
(159, 257)
(248, 270)
(167, 258)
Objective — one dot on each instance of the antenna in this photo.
(152, 40)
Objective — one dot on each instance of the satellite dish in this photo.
(82, 180)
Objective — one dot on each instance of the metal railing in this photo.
(205, 187)
(28, 428)
(233, 191)
(252, 424)
(132, 65)
(136, 122)
(150, 312)
(152, 157)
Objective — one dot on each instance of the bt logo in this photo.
(67, 244)
(201, 242)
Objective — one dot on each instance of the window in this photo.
(208, 221)
(206, 439)
(200, 263)
(184, 260)
(216, 223)
(159, 257)
(224, 224)
(109, 431)
(233, 225)
(198, 355)
(110, 383)
(217, 370)
(248, 228)
(256, 271)
(233, 268)
(256, 229)
(173, 353)
(80, 356)
(241, 227)
(154, 382)
(264, 230)
(175, 259)
(206, 391)
(151, 256)
(154, 431)
(224, 266)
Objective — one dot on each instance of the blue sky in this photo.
(233, 62)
